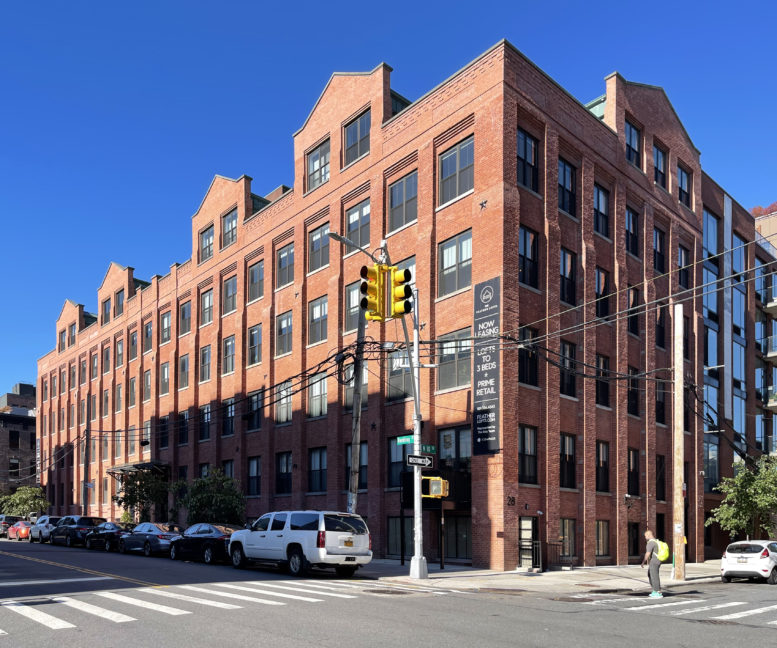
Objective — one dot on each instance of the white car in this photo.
(750, 559)
(303, 539)
(41, 530)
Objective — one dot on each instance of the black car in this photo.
(150, 538)
(72, 529)
(7, 521)
(206, 542)
(107, 534)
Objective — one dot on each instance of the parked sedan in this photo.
(7, 521)
(41, 530)
(20, 530)
(750, 559)
(72, 529)
(107, 535)
(149, 537)
(206, 542)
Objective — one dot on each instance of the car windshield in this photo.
(11, 519)
(744, 548)
(53, 520)
(345, 523)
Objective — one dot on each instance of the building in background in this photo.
(590, 217)
(18, 439)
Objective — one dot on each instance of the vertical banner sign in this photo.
(485, 418)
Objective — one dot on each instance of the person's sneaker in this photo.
(656, 595)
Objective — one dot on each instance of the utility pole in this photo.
(678, 454)
(356, 413)
(85, 471)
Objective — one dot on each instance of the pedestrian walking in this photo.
(653, 563)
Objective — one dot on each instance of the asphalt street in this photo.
(50, 594)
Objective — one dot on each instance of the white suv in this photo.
(304, 539)
(41, 530)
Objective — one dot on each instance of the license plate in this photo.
(348, 542)
(741, 560)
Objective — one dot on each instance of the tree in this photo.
(750, 499)
(215, 498)
(140, 491)
(26, 500)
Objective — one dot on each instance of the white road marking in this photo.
(301, 589)
(191, 599)
(116, 617)
(36, 615)
(241, 597)
(653, 606)
(631, 599)
(144, 604)
(3, 632)
(53, 581)
(739, 615)
(266, 593)
(706, 607)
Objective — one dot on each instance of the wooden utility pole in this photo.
(678, 454)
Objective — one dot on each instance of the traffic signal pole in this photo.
(356, 413)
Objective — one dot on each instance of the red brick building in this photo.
(591, 216)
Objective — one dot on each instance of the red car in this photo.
(20, 530)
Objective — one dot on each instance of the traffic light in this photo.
(401, 292)
(436, 487)
(374, 299)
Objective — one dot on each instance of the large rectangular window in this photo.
(362, 484)
(318, 248)
(283, 334)
(528, 366)
(567, 371)
(602, 380)
(601, 211)
(457, 170)
(148, 336)
(228, 355)
(255, 404)
(528, 167)
(455, 264)
(206, 307)
(317, 320)
(568, 541)
(633, 145)
(659, 250)
(204, 423)
(285, 266)
(283, 473)
(254, 476)
(164, 378)
(205, 363)
(349, 386)
(183, 427)
(683, 267)
(528, 257)
(400, 376)
(661, 319)
(228, 417)
(318, 166)
(229, 228)
(119, 362)
(567, 466)
(317, 395)
(183, 371)
(633, 314)
(357, 138)
(684, 185)
(660, 404)
(118, 307)
(254, 339)
(567, 187)
(632, 231)
(602, 467)
(317, 470)
(660, 478)
(357, 225)
(568, 285)
(710, 295)
(283, 402)
(454, 361)
(632, 395)
(527, 454)
(396, 462)
(147, 385)
(403, 201)
(602, 538)
(352, 299)
(229, 295)
(602, 290)
(256, 281)
(710, 235)
(206, 244)
(632, 476)
(659, 166)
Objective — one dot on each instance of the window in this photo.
(256, 281)
(119, 306)
(228, 355)
(183, 371)
(528, 257)
(283, 334)
(400, 377)
(454, 350)
(456, 450)
(81, 373)
(95, 370)
(661, 325)
(131, 433)
(659, 250)
(683, 265)
(567, 474)
(528, 170)
(527, 358)
(133, 345)
(567, 370)
(710, 455)
(660, 478)
(228, 417)
(283, 473)
(317, 320)
(229, 228)
(632, 477)
(255, 345)
(131, 392)
(738, 258)
(357, 224)
(255, 403)
(403, 199)
(62, 339)
(710, 236)
(357, 138)
(602, 380)
(738, 365)
(710, 295)
(164, 328)
(602, 538)
(147, 385)
(73, 374)
(106, 313)
(228, 468)
(684, 185)
(457, 170)
(318, 248)
(349, 385)
(455, 264)
(633, 315)
(285, 266)
(633, 145)
(145, 441)
(106, 364)
(71, 335)
(527, 454)
(204, 422)
(362, 481)
(204, 469)
(317, 395)
(761, 436)
(567, 291)
(283, 403)
(659, 166)
(711, 350)
(397, 456)
(602, 467)
(206, 244)
(660, 404)
(164, 378)
(567, 187)
(229, 297)
(318, 166)
(205, 363)
(601, 211)
(163, 431)
(206, 307)
(117, 444)
(632, 231)
(602, 289)
(254, 476)
(148, 329)
(633, 392)
(119, 359)
(760, 380)
(352, 299)
(183, 427)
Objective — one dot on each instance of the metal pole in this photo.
(356, 414)
(678, 471)
(85, 472)
(402, 518)
(442, 536)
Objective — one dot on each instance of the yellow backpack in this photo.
(662, 552)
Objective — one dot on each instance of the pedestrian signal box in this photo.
(436, 487)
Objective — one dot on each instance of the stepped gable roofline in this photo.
(111, 266)
(68, 302)
(210, 186)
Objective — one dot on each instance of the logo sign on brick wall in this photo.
(485, 418)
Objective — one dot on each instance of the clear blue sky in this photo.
(114, 117)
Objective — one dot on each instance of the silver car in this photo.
(150, 538)
(41, 530)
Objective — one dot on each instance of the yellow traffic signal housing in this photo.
(435, 487)
(401, 292)
(372, 288)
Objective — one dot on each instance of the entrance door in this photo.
(528, 533)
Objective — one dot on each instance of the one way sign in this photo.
(424, 461)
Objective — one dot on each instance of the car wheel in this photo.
(18, 538)
(207, 555)
(725, 579)
(296, 562)
(122, 548)
(238, 557)
(88, 543)
(345, 571)
(68, 541)
(772, 579)
(173, 552)
(147, 550)
(107, 545)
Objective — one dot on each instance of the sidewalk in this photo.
(578, 580)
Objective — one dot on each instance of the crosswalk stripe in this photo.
(301, 589)
(706, 607)
(3, 632)
(613, 600)
(739, 615)
(232, 596)
(116, 617)
(312, 584)
(164, 609)
(653, 606)
(191, 599)
(36, 615)
(266, 593)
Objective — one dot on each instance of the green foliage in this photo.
(140, 491)
(25, 500)
(126, 517)
(215, 498)
(750, 499)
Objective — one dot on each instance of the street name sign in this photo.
(425, 461)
